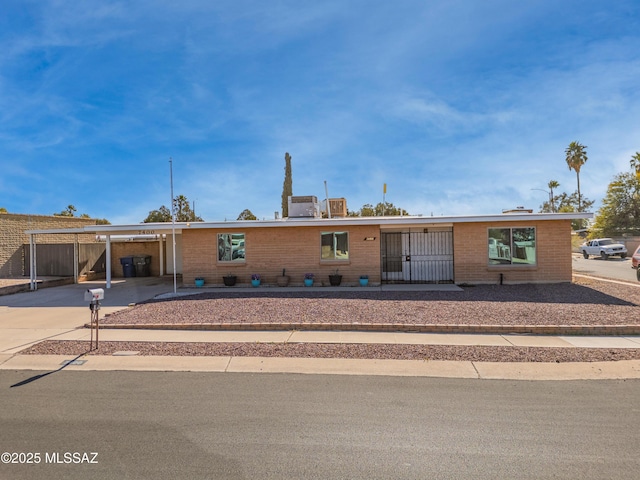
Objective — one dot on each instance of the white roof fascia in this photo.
(406, 221)
(142, 229)
(384, 221)
(136, 229)
(55, 230)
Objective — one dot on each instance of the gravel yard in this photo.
(584, 302)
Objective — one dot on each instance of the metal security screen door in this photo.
(417, 257)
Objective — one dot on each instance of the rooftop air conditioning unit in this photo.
(338, 207)
(304, 207)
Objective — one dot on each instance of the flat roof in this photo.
(166, 227)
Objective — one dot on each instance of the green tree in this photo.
(576, 156)
(3, 210)
(287, 187)
(367, 210)
(635, 163)
(387, 208)
(182, 209)
(70, 211)
(620, 210)
(565, 203)
(163, 214)
(569, 203)
(246, 214)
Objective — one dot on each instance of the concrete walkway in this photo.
(58, 314)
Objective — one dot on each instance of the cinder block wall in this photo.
(268, 250)
(12, 237)
(471, 254)
(630, 242)
(126, 249)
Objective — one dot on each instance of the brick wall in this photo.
(269, 250)
(127, 249)
(471, 255)
(12, 237)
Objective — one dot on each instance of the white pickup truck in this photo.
(604, 248)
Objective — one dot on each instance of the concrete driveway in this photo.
(30, 317)
(122, 293)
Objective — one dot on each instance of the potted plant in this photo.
(335, 278)
(199, 282)
(283, 280)
(308, 279)
(229, 280)
(255, 279)
(364, 280)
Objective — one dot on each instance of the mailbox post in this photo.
(93, 296)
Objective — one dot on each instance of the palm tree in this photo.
(635, 163)
(576, 157)
(552, 184)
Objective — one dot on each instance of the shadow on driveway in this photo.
(122, 293)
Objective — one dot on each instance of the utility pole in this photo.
(384, 202)
(173, 229)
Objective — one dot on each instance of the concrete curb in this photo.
(596, 330)
(627, 369)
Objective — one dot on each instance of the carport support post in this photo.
(108, 263)
(76, 260)
(33, 281)
(161, 256)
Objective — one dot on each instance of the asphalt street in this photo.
(275, 426)
(615, 268)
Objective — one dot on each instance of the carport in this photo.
(159, 231)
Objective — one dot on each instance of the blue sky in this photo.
(461, 107)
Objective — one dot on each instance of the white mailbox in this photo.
(94, 294)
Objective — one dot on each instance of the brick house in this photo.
(514, 248)
(509, 248)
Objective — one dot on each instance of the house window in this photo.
(512, 246)
(334, 246)
(231, 247)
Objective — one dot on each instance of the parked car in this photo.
(603, 247)
(635, 262)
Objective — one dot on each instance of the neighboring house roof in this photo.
(166, 227)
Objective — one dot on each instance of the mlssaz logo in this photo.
(71, 457)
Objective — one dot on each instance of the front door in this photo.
(417, 257)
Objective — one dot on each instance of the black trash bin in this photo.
(128, 268)
(143, 265)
